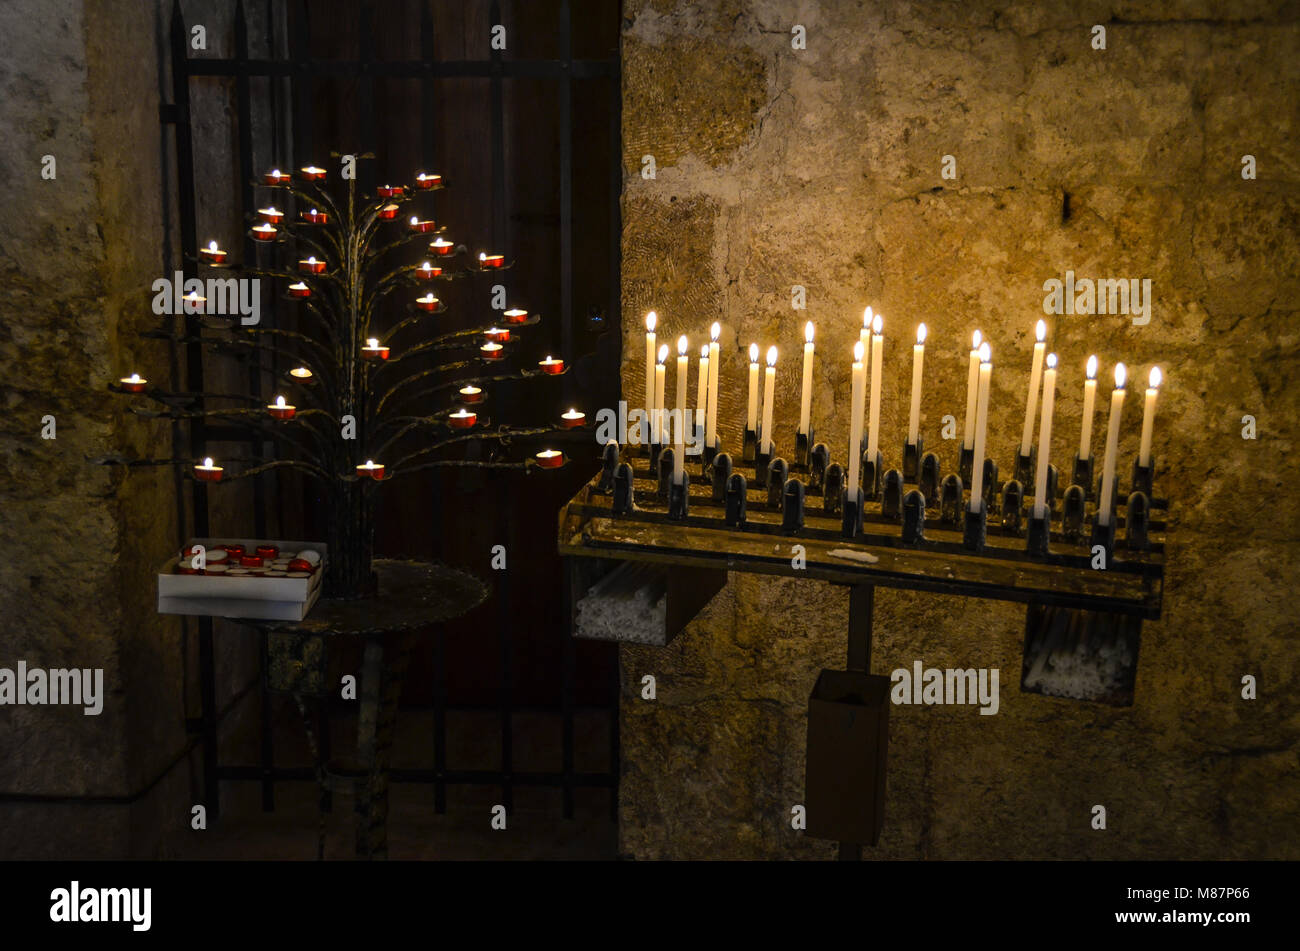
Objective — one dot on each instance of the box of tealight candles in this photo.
(243, 578)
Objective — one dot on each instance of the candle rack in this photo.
(923, 539)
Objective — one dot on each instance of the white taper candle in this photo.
(877, 377)
(914, 416)
(715, 368)
(805, 401)
(769, 398)
(1112, 447)
(1045, 437)
(751, 418)
(972, 389)
(1035, 379)
(981, 427)
(1148, 418)
(855, 417)
(1089, 404)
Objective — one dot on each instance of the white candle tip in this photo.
(866, 317)
(1051, 361)
(715, 331)
(920, 333)
(808, 332)
(771, 356)
(877, 323)
(682, 344)
(704, 351)
(1155, 378)
(1121, 374)
(753, 353)
(1040, 331)
(975, 340)
(857, 352)
(1092, 367)
(986, 352)
(650, 320)
(663, 352)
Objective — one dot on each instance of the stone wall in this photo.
(821, 167)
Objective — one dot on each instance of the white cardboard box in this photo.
(276, 599)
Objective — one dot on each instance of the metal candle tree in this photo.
(338, 258)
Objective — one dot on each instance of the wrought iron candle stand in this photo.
(922, 538)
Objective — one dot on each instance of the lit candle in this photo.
(715, 368)
(264, 232)
(1045, 437)
(275, 177)
(497, 334)
(981, 426)
(426, 180)
(572, 419)
(865, 335)
(212, 254)
(428, 302)
(313, 174)
(515, 315)
(134, 383)
(373, 351)
(471, 394)
(421, 225)
(389, 212)
(301, 373)
(855, 418)
(207, 472)
(679, 443)
(751, 418)
(442, 247)
(914, 415)
(805, 398)
(486, 261)
(315, 217)
(650, 320)
(388, 191)
(1148, 418)
(877, 377)
(427, 271)
(769, 398)
(1035, 379)
(972, 387)
(192, 303)
(550, 458)
(702, 390)
(312, 266)
(280, 409)
(299, 289)
(1089, 400)
(272, 215)
(462, 419)
(658, 414)
(1112, 446)
(552, 365)
(371, 470)
(491, 351)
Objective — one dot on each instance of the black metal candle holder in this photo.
(1073, 513)
(665, 472)
(679, 496)
(707, 455)
(975, 530)
(950, 502)
(1083, 474)
(623, 490)
(891, 496)
(803, 443)
(818, 459)
(1040, 534)
(913, 517)
(792, 497)
(833, 490)
(749, 447)
(778, 470)
(1024, 473)
(912, 453)
(720, 472)
(930, 478)
(1104, 535)
(1137, 521)
(1143, 476)
(737, 493)
(761, 461)
(966, 466)
(872, 475)
(609, 459)
(1013, 498)
(851, 512)
(990, 485)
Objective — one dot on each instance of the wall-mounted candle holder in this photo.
(990, 485)
(1040, 534)
(929, 480)
(950, 500)
(609, 459)
(891, 496)
(1073, 512)
(1083, 474)
(622, 501)
(679, 496)
(737, 491)
(1024, 473)
(872, 474)
(761, 461)
(912, 453)
(792, 498)
(1143, 476)
(851, 512)
(665, 471)
(833, 489)
(966, 465)
(974, 531)
(818, 459)
(749, 447)
(778, 470)
(803, 443)
(1013, 497)
(913, 517)
(1050, 494)
(1137, 521)
(721, 472)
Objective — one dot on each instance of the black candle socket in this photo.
(966, 466)
(679, 496)
(950, 500)
(623, 490)
(1143, 476)
(891, 503)
(929, 481)
(802, 446)
(1083, 474)
(1013, 497)
(990, 484)
(777, 472)
(761, 461)
(1104, 535)
(872, 473)
(792, 506)
(851, 513)
(665, 472)
(1040, 534)
(707, 455)
(1073, 512)
(609, 463)
(818, 459)
(975, 529)
(1137, 521)
(749, 447)
(912, 460)
(721, 471)
(833, 489)
(1025, 466)
(737, 491)
(913, 517)
(655, 449)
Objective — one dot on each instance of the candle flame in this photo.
(573, 412)
(370, 463)
(650, 320)
(771, 356)
(1051, 361)
(301, 372)
(704, 351)
(857, 352)
(682, 345)
(866, 318)
(135, 378)
(715, 331)
(207, 462)
(415, 219)
(986, 352)
(920, 333)
(212, 246)
(372, 343)
(1092, 367)
(1121, 374)
(753, 353)
(279, 402)
(1155, 377)
(877, 323)
(975, 341)
(482, 255)
(314, 211)
(663, 352)
(808, 332)
(275, 172)
(426, 266)
(1040, 331)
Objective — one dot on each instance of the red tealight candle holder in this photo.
(299, 290)
(552, 365)
(373, 351)
(388, 191)
(425, 180)
(427, 271)
(573, 419)
(272, 215)
(212, 254)
(250, 561)
(486, 261)
(267, 551)
(234, 551)
(441, 247)
(497, 335)
(281, 410)
(515, 316)
(423, 226)
(315, 217)
(462, 419)
(389, 212)
(371, 470)
(134, 383)
(312, 266)
(550, 458)
(312, 174)
(428, 302)
(275, 177)
(207, 472)
(264, 232)
(471, 394)
(491, 351)
(301, 564)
